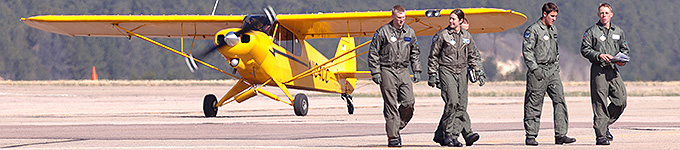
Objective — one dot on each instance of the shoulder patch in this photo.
(585, 34)
(527, 34)
(434, 38)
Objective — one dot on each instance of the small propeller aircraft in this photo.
(271, 49)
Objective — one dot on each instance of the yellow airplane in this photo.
(271, 49)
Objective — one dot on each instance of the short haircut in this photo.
(398, 9)
(605, 5)
(458, 13)
(549, 7)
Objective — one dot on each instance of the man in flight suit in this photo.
(541, 57)
(601, 42)
(393, 48)
(453, 51)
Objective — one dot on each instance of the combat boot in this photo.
(602, 141)
(451, 142)
(469, 140)
(564, 140)
(610, 137)
(531, 142)
(441, 141)
(394, 142)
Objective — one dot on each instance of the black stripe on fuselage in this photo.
(289, 56)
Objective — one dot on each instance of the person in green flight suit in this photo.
(600, 43)
(541, 57)
(394, 47)
(453, 51)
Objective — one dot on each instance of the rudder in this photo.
(347, 44)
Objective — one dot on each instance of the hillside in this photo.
(31, 54)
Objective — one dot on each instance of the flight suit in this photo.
(391, 51)
(605, 80)
(541, 57)
(451, 54)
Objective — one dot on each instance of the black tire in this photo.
(300, 104)
(209, 108)
(350, 107)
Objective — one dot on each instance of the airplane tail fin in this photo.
(346, 44)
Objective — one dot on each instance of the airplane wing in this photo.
(163, 26)
(363, 24)
(309, 26)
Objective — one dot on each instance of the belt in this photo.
(396, 65)
(547, 64)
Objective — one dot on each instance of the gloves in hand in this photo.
(481, 76)
(416, 77)
(377, 79)
(433, 81)
(539, 74)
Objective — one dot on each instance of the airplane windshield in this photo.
(257, 22)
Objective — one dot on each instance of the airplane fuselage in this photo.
(259, 59)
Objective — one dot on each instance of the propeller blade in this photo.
(191, 63)
(271, 15)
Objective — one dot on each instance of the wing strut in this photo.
(309, 72)
(174, 51)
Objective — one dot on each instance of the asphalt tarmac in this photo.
(171, 117)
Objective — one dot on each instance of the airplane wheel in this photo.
(300, 104)
(209, 108)
(350, 107)
(348, 99)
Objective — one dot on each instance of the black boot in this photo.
(602, 141)
(531, 142)
(451, 142)
(394, 142)
(610, 137)
(439, 139)
(469, 140)
(564, 140)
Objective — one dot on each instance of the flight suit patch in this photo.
(466, 41)
(602, 38)
(527, 34)
(452, 42)
(616, 36)
(546, 37)
(407, 39)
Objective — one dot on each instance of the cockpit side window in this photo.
(286, 39)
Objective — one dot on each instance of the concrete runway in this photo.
(171, 117)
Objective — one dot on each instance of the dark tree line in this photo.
(31, 54)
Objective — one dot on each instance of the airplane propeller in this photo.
(232, 38)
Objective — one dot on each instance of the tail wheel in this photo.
(209, 105)
(300, 104)
(350, 105)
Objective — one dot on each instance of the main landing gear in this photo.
(348, 99)
(300, 104)
(209, 108)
